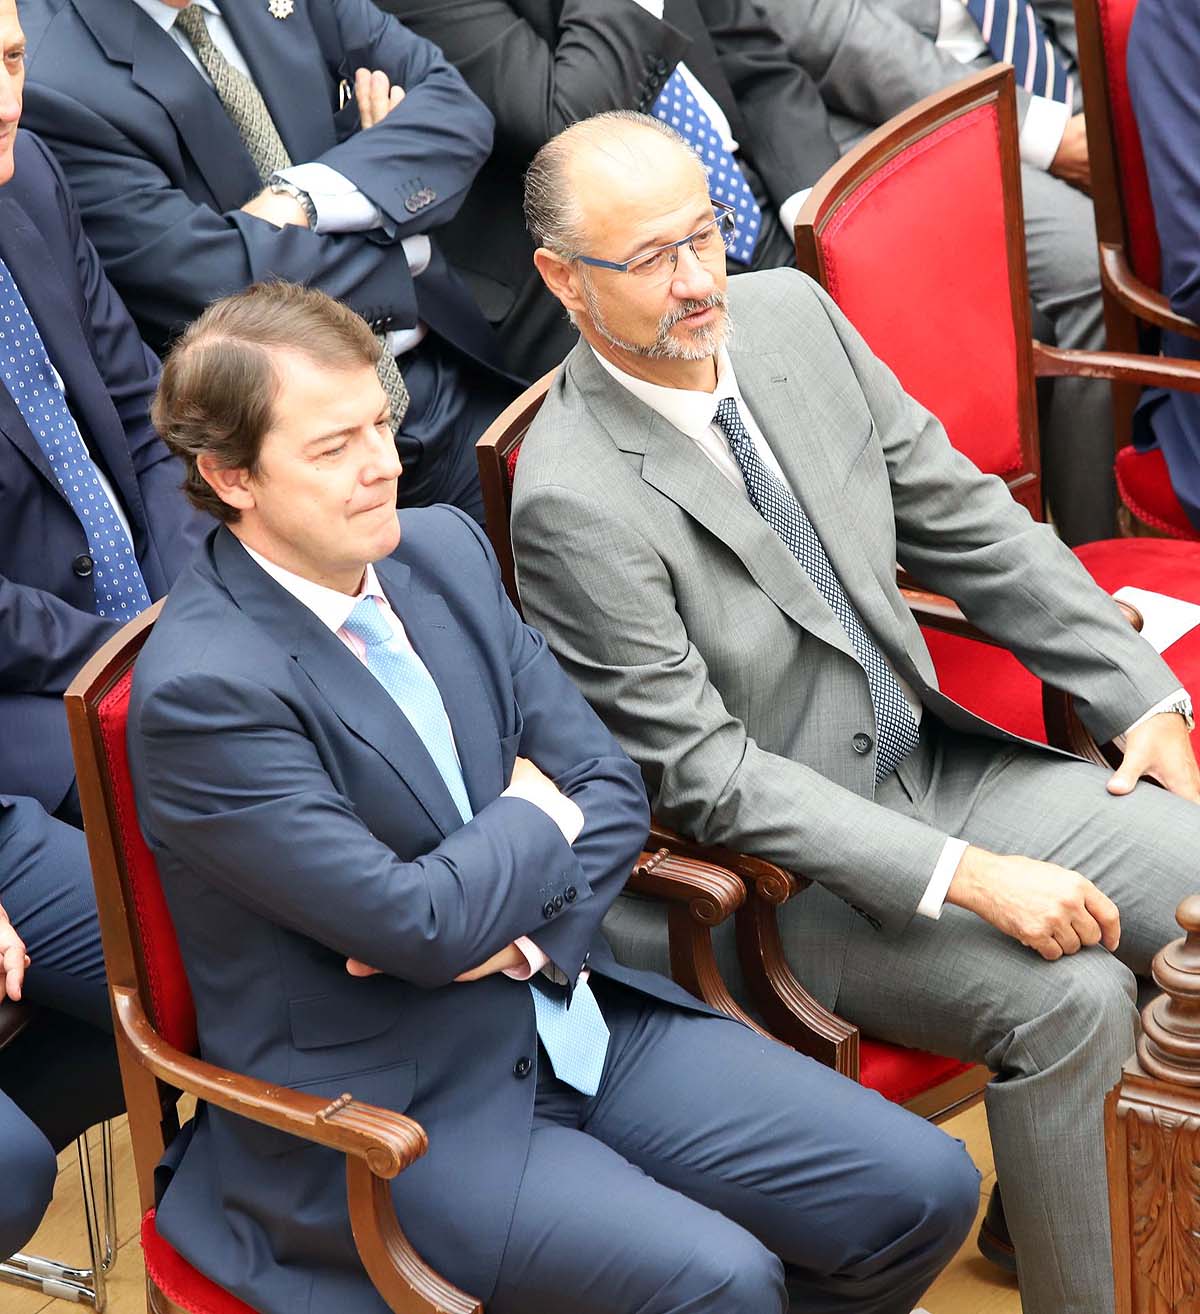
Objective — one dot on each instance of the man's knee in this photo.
(28, 1168)
(937, 1197)
(739, 1273)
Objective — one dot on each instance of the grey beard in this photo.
(705, 341)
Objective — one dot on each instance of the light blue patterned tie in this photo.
(677, 107)
(895, 727)
(576, 1039)
(1015, 35)
(27, 374)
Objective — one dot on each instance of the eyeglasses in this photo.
(708, 242)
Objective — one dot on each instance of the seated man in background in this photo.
(706, 529)
(1164, 55)
(872, 59)
(713, 68)
(210, 145)
(352, 760)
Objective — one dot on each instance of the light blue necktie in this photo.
(27, 374)
(677, 107)
(575, 1038)
(1015, 35)
(895, 727)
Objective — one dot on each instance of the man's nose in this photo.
(692, 279)
(384, 462)
(10, 100)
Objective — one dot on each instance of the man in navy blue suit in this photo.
(388, 829)
(1164, 56)
(90, 509)
(214, 143)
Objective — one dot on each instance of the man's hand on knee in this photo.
(1070, 161)
(1160, 748)
(13, 959)
(1045, 906)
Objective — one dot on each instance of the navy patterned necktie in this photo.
(895, 727)
(677, 107)
(1015, 35)
(27, 374)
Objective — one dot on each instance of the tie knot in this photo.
(729, 418)
(192, 24)
(366, 622)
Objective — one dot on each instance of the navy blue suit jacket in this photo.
(160, 171)
(297, 819)
(1164, 83)
(47, 602)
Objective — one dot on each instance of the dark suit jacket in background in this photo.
(298, 819)
(1164, 63)
(540, 65)
(47, 601)
(160, 171)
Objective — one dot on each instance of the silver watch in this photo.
(283, 187)
(1184, 707)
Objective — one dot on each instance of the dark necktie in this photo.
(895, 728)
(247, 110)
(1015, 35)
(27, 374)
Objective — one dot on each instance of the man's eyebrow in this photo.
(326, 437)
(661, 240)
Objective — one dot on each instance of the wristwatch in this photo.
(281, 186)
(1184, 707)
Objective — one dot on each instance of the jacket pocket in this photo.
(322, 1021)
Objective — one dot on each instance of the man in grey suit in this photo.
(871, 59)
(707, 534)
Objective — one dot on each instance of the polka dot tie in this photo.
(26, 372)
(895, 727)
(575, 1037)
(678, 108)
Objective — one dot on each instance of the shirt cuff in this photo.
(340, 206)
(939, 883)
(535, 960)
(1042, 131)
(653, 7)
(791, 208)
(1163, 705)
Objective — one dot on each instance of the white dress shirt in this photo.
(1045, 120)
(340, 206)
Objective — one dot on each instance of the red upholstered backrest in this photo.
(510, 463)
(1115, 18)
(170, 1003)
(917, 258)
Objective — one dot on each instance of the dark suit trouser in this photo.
(708, 1160)
(61, 1075)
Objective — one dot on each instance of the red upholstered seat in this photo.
(170, 996)
(1145, 487)
(179, 1281)
(900, 1074)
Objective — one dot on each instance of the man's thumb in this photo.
(1123, 778)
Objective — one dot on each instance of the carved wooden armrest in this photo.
(378, 1144)
(1143, 301)
(768, 880)
(1119, 366)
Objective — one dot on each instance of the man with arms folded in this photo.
(707, 528)
(346, 746)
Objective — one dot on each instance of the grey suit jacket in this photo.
(871, 59)
(708, 651)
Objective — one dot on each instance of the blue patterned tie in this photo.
(895, 728)
(27, 374)
(1015, 35)
(576, 1039)
(677, 107)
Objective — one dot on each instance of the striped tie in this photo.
(1015, 36)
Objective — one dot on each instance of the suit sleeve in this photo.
(579, 566)
(960, 532)
(46, 640)
(600, 59)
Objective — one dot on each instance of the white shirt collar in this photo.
(165, 15)
(329, 606)
(689, 411)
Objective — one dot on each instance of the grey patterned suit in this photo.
(694, 632)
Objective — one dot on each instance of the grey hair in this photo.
(553, 214)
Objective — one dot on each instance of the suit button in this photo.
(523, 1066)
(548, 909)
(558, 903)
(660, 68)
(571, 893)
(82, 565)
(862, 743)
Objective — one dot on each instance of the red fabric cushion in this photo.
(1136, 202)
(1145, 487)
(881, 248)
(179, 1281)
(174, 1014)
(901, 1074)
(511, 463)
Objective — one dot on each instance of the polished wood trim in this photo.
(1140, 299)
(1155, 371)
(951, 1097)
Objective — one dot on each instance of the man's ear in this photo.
(230, 483)
(560, 276)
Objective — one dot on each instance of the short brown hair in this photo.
(218, 387)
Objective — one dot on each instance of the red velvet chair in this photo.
(155, 1019)
(1134, 308)
(930, 1085)
(942, 177)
